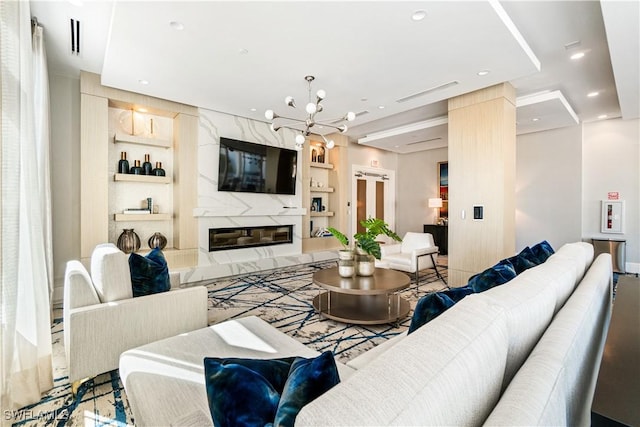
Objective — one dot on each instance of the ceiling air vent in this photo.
(75, 36)
(427, 91)
(426, 140)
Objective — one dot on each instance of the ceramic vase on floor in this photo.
(128, 241)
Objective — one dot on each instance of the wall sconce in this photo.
(435, 203)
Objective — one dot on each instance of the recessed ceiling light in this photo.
(178, 26)
(577, 55)
(592, 94)
(253, 109)
(535, 119)
(602, 116)
(483, 72)
(143, 82)
(418, 15)
(380, 107)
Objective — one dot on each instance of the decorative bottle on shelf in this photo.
(128, 241)
(158, 171)
(146, 166)
(123, 164)
(136, 169)
(157, 241)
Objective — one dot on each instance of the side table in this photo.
(440, 235)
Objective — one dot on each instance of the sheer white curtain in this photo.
(26, 369)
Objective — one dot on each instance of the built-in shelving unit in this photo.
(134, 139)
(108, 117)
(322, 214)
(127, 177)
(321, 165)
(142, 217)
(322, 188)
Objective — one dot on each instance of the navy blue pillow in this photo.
(150, 274)
(239, 391)
(433, 305)
(428, 308)
(456, 294)
(499, 274)
(524, 260)
(542, 251)
(308, 379)
(252, 392)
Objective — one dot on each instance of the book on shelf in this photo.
(134, 211)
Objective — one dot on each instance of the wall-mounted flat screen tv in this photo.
(256, 168)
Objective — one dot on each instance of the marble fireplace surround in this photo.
(221, 209)
(247, 260)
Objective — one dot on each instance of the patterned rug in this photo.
(282, 297)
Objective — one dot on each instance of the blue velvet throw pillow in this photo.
(308, 379)
(542, 251)
(525, 260)
(244, 392)
(428, 308)
(149, 274)
(499, 274)
(259, 392)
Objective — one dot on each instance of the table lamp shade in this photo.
(435, 203)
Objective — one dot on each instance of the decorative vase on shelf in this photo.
(128, 241)
(146, 166)
(158, 171)
(136, 169)
(123, 164)
(157, 241)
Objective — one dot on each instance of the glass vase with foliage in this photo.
(366, 241)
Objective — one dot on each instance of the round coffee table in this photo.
(362, 300)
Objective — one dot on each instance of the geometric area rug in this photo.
(281, 297)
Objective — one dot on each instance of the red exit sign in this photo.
(613, 195)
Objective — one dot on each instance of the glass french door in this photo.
(374, 196)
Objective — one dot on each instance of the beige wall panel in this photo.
(94, 143)
(90, 84)
(340, 181)
(181, 258)
(305, 176)
(499, 91)
(320, 244)
(481, 172)
(185, 189)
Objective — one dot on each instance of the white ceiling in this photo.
(235, 56)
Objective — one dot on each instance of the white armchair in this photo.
(415, 253)
(102, 319)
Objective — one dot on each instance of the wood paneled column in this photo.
(482, 162)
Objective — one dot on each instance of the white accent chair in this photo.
(102, 319)
(415, 253)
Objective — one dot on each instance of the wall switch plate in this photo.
(478, 213)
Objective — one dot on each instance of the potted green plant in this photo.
(366, 242)
(366, 245)
(345, 253)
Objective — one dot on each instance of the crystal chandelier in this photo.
(312, 108)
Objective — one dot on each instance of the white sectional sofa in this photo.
(523, 353)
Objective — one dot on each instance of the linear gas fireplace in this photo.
(249, 237)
